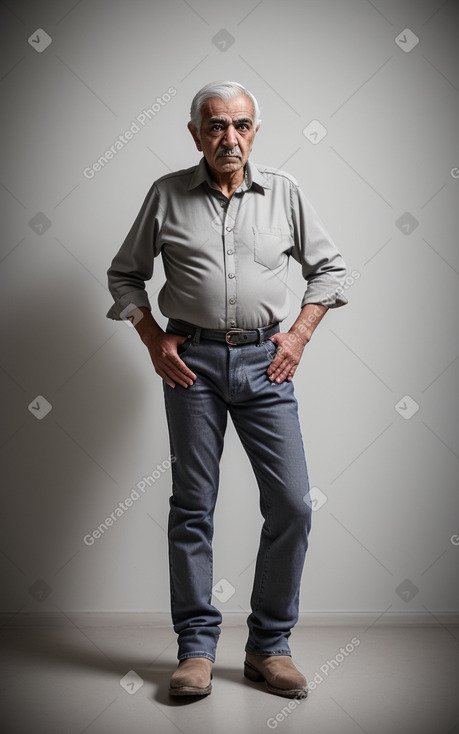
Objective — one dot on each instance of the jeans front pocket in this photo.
(182, 348)
(271, 348)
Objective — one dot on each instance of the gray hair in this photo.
(222, 90)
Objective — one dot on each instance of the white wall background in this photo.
(384, 540)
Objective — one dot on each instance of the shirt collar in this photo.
(253, 179)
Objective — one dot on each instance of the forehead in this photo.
(240, 106)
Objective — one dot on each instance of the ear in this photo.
(195, 135)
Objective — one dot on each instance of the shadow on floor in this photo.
(48, 644)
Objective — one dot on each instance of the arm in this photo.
(133, 263)
(290, 345)
(324, 270)
(130, 268)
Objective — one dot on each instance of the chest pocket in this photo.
(270, 246)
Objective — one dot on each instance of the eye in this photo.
(243, 127)
(217, 127)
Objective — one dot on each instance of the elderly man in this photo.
(226, 229)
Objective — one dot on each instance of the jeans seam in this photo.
(260, 595)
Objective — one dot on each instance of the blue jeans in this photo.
(233, 379)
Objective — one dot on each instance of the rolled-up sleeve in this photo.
(322, 265)
(132, 266)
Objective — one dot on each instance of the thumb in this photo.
(276, 338)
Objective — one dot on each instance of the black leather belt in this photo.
(233, 337)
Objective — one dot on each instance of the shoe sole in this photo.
(190, 691)
(254, 675)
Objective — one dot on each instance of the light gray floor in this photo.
(65, 679)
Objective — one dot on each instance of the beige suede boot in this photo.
(192, 678)
(279, 672)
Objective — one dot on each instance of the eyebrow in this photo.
(222, 121)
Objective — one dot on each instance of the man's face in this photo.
(227, 133)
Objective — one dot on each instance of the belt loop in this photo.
(196, 335)
(260, 336)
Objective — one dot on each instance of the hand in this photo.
(166, 361)
(289, 351)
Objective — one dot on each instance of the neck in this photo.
(228, 182)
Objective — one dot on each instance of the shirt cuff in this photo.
(127, 303)
(333, 299)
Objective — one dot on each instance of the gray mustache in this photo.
(234, 151)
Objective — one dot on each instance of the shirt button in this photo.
(232, 301)
(231, 275)
(223, 203)
(229, 229)
(232, 323)
(230, 252)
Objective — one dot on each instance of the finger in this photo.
(179, 369)
(275, 371)
(175, 374)
(282, 373)
(164, 377)
(173, 379)
(183, 369)
(276, 363)
(173, 364)
(291, 375)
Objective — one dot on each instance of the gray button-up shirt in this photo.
(225, 260)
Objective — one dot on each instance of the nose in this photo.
(230, 139)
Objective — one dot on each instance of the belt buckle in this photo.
(229, 334)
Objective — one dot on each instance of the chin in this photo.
(233, 166)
